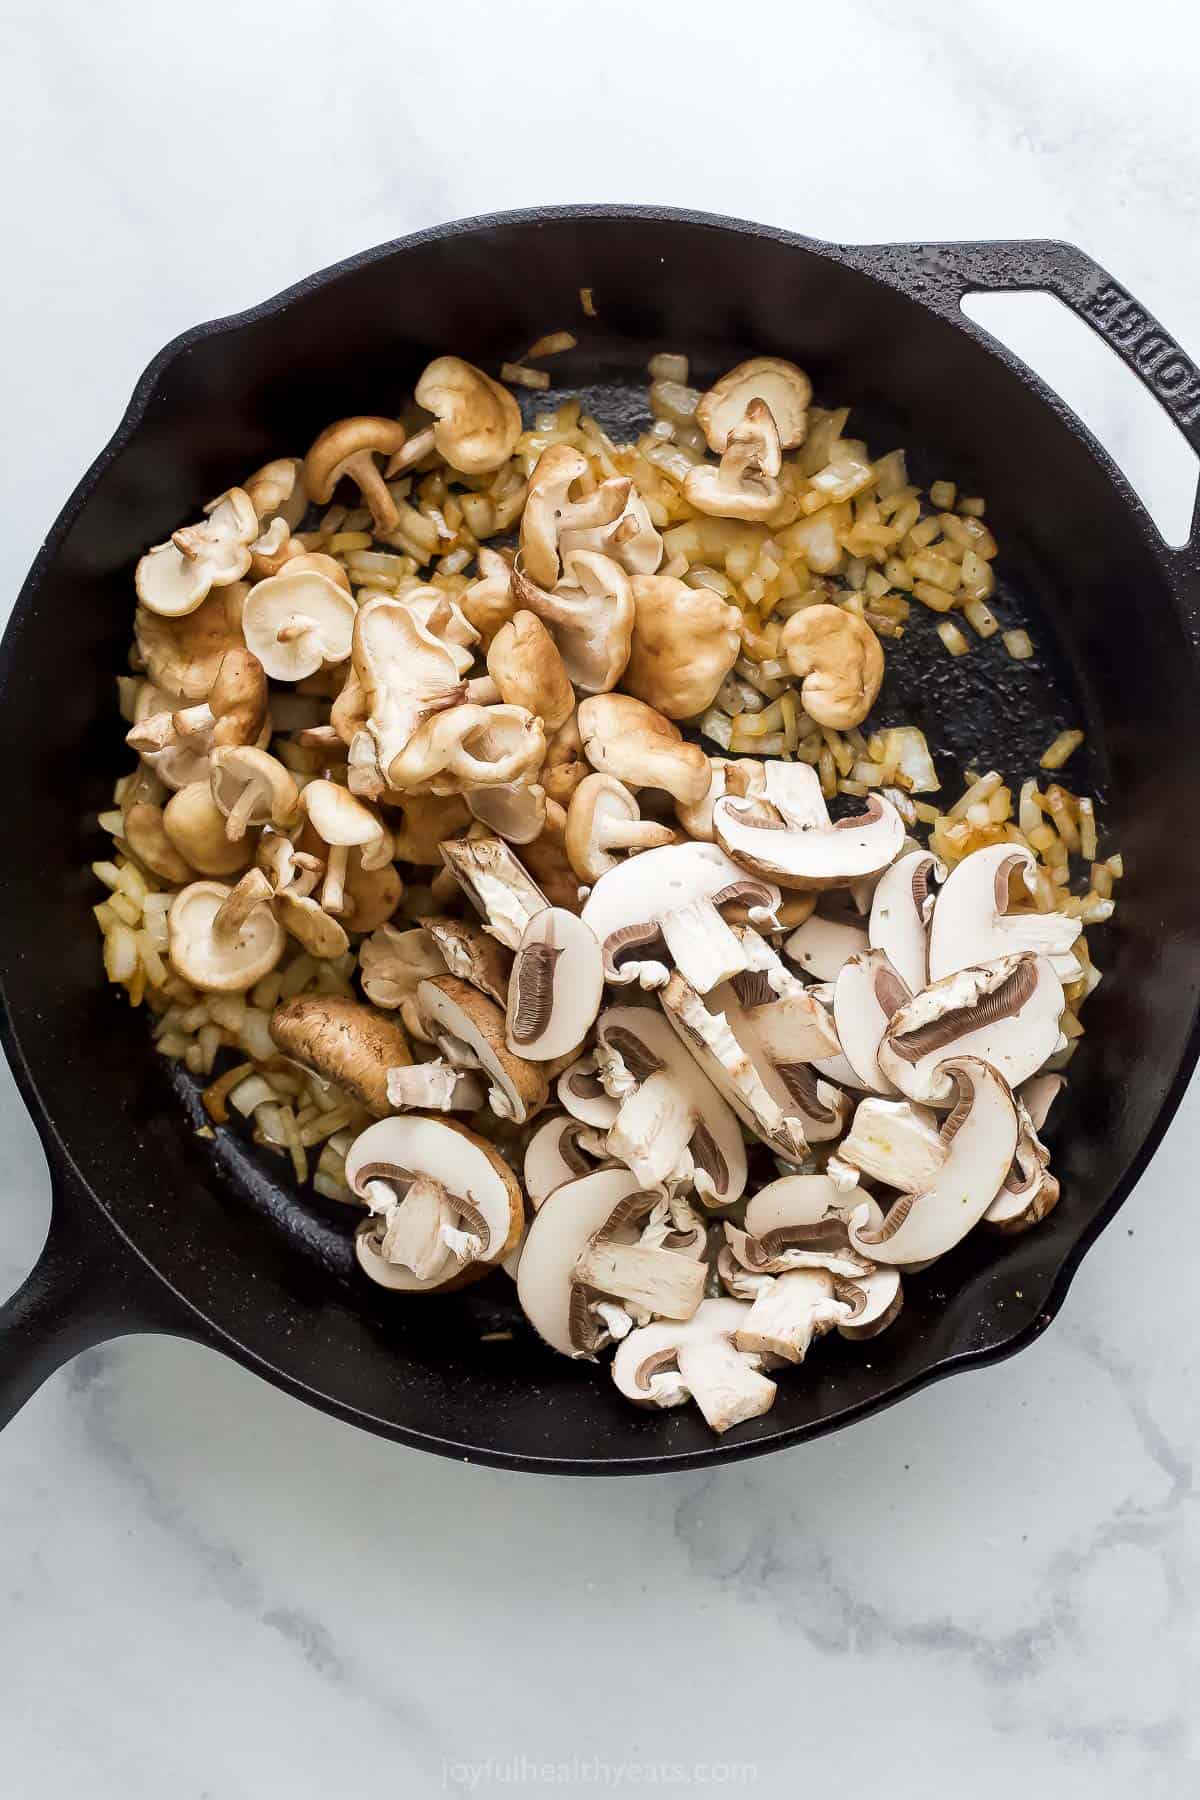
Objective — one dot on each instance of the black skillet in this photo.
(154, 1229)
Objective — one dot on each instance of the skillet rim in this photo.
(867, 261)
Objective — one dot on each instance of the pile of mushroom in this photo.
(562, 997)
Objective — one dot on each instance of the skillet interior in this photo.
(273, 1273)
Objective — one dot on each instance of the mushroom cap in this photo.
(338, 818)
(465, 1164)
(627, 905)
(524, 662)
(971, 923)
(237, 766)
(841, 662)
(374, 894)
(173, 578)
(560, 1150)
(900, 909)
(182, 655)
(741, 775)
(560, 1232)
(787, 836)
(144, 833)
(225, 963)
(423, 824)
(195, 825)
(468, 746)
(582, 1092)
(239, 700)
(393, 963)
(311, 925)
(685, 641)
(546, 502)
(982, 1133)
(598, 801)
(867, 993)
(745, 485)
(822, 947)
(662, 1363)
(516, 813)
(478, 422)
(786, 390)
(461, 1019)
(800, 1222)
(326, 461)
(469, 953)
(590, 617)
(344, 1041)
(556, 986)
(276, 491)
(629, 539)
(622, 736)
(307, 602)
(1005, 1012)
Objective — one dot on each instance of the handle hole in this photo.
(1158, 462)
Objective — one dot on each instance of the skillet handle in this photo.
(940, 275)
(87, 1286)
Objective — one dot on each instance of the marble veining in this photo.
(213, 1593)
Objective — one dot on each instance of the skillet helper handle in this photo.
(85, 1288)
(942, 274)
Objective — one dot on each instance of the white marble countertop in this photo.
(213, 1593)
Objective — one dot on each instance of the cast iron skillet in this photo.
(154, 1230)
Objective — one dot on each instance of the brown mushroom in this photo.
(349, 448)
(344, 1042)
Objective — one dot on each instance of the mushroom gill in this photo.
(1004, 1002)
(534, 975)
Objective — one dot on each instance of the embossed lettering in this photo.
(1175, 379)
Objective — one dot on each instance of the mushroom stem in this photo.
(298, 626)
(242, 811)
(364, 470)
(722, 1383)
(787, 1315)
(662, 1282)
(231, 915)
(435, 1087)
(633, 834)
(421, 1232)
(653, 1130)
(333, 891)
(416, 450)
(704, 947)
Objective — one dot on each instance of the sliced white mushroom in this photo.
(468, 1029)
(497, 884)
(670, 897)
(801, 1222)
(754, 1037)
(1038, 1095)
(1006, 1013)
(787, 836)
(441, 1199)
(672, 1126)
(900, 911)
(891, 1141)
(665, 1365)
(582, 1247)
(560, 1150)
(866, 995)
(1030, 1191)
(822, 947)
(435, 1087)
(556, 986)
(981, 1133)
(584, 1095)
(972, 924)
